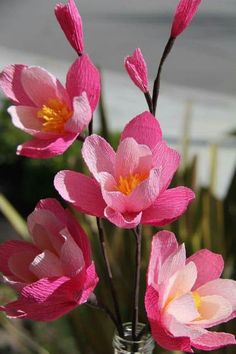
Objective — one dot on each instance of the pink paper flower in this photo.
(70, 21)
(184, 297)
(184, 14)
(55, 273)
(52, 114)
(130, 186)
(136, 68)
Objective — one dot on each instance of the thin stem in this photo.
(156, 86)
(80, 138)
(94, 303)
(90, 127)
(149, 101)
(137, 233)
(110, 277)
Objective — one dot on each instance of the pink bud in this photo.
(184, 14)
(137, 69)
(71, 23)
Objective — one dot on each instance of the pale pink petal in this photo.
(213, 340)
(184, 14)
(82, 115)
(161, 335)
(10, 83)
(19, 264)
(222, 287)
(183, 309)
(125, 221)
(163, 244)
(136, 68)
(178, 329)
(9, 248)
(213, 309)
(41, 86)
(25, 118)
(181, 282)
(170, 205)
(98, 155)
(46, 264)
(14, 282)
(71, 23)
(83, 76)
(172, 264)
(44, 149)
(71, 256)
(51, 204)
(209, 266)
(82, 191)
(145, 129)
(132, 158)
(168, 159)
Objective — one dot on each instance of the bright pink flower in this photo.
(52, 114)
(55, 273)
(184, 14)
(137, 70)
(130, 186)
(184, 297)
(71, 23)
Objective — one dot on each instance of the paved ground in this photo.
(204, 56)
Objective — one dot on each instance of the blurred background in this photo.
(197, 112)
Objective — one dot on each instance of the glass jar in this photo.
(126, 345)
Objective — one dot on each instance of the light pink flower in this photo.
(184, 297)
(184, 14)
(71, 23)
(55, 273)
(52, 114)
(136, 68)
(130, 186)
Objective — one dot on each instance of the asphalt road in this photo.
(203, 57)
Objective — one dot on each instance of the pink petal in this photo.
(183, 308)
(213, 340)
(125, 221)
(132, 158)
(137, 69)
(44, 149)
(10, 248)
(161, 335)
(55, 207)
(82, 115)
(41, 86)
(82, 191)
(209, 266)
(168, 159)
(83, 76)
(80, 238)
(71, 23)
(46, 264)
(168, 206)
(19, 265)
(25, 118)
(222, 287)
(90, 282)
(178, 329)
(10, 83)
(163, 244)
(98, 155)
(145, 129)
(71, 255)
(184, 14)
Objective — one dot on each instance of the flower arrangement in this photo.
(129, 187)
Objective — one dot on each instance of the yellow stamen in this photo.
(127, 184)
(54, 115)
(197, 299)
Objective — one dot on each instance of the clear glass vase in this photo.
(126, 345)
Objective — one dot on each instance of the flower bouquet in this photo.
(129, 188)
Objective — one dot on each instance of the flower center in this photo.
(196, 299)
(54, 115)
(127, 184)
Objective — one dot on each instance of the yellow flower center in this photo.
(54, 115)
(127, 184)
(196, 299)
